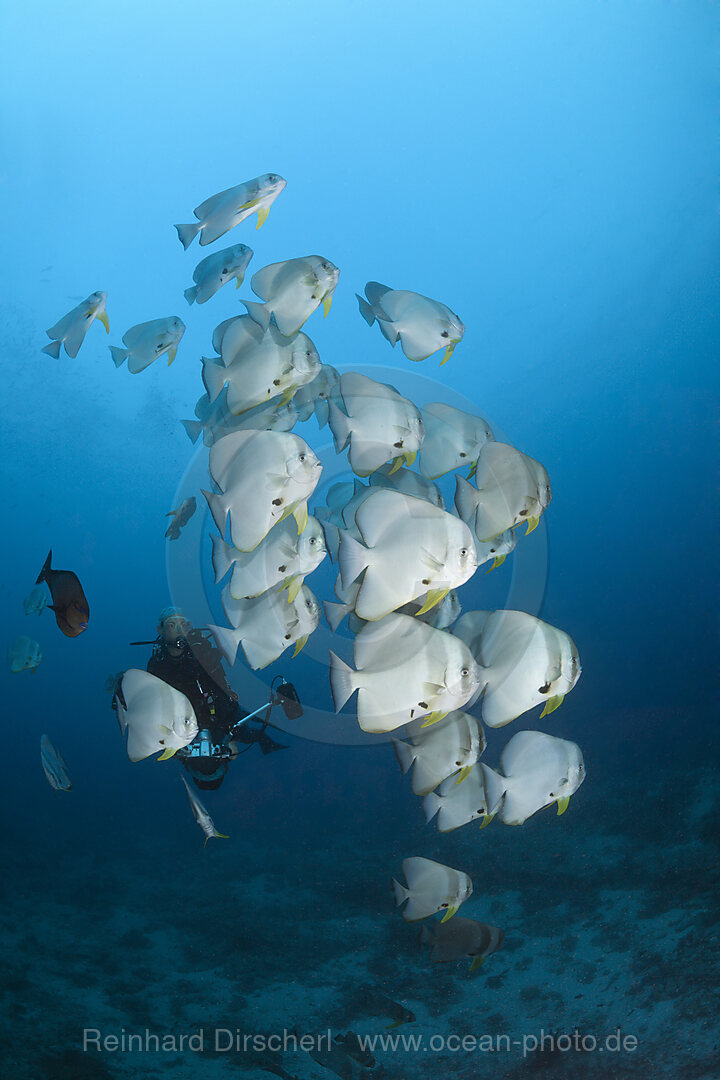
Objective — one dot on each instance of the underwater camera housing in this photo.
(286, 696)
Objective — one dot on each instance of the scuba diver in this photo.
(186, 659)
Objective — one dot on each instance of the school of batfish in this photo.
(402, 554)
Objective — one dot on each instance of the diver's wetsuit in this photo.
(199, 675)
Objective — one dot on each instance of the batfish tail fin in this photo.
(218, 509)
(193, 429)
(223, 557)
(53, 349)
(227, 641)
(119, 355)
(191, 294)
(258, 313)
(352, 557)
(365, 310)
(431, 805)
(43, 576)
(401, 893)
(335, 613)
(187, 233)
(342, 681)
(404, 753)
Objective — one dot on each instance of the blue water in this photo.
(548, 171)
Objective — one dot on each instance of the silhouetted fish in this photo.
(462, 937)
(72, 613)
(180, 517)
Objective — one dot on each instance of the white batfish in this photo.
(409, 482)
(291, 291)
(36, 601)
(222, 212)
(525, 661)
(285, 557)
(422, 325)
(456, 803)
(201, 815)
(441, 616)
(405, 670)
(263, 476)
(538, 770)
(446, 749)
(216, 270)
(511, 488)
(266, 625)
(378, 424)
(70, 331)
(431, 887)
(214, 419)
(156, 716)
(496, 550)
(259, 365)
(54, 766)
(147, 341)
(314, 396)
(411, 548)
(24, 654)
(453, 439)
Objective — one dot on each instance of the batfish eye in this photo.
(224, 270)
(465, 672)
(463, 552)
(462, 453)
(313, 540)
(272, 178)
(444, 334)
(302, 457)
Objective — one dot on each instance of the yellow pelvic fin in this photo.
(486, 820)
(287, 395)
(473, 470)
(300, 644)
(497, 561)
(105, 321)
(171, 355)
(300, 513)
(434, 597)
(532, 524)
(563, 804)
(262, 216)
(238, 282)
(478, 961)
(552, 704)
(168, 753)
(464, 773)
(449, 913)
(448, 353)
(410, 458)
(434, 718)
(326, 303)
(397, 464)
(294, 585)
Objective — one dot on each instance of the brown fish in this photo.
(458, 938)
(72, 613)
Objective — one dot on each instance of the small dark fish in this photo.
(459, 938)
(180, 517)
(351, 1044)
(372, 1002)
(344, 1058)
(72, 613)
